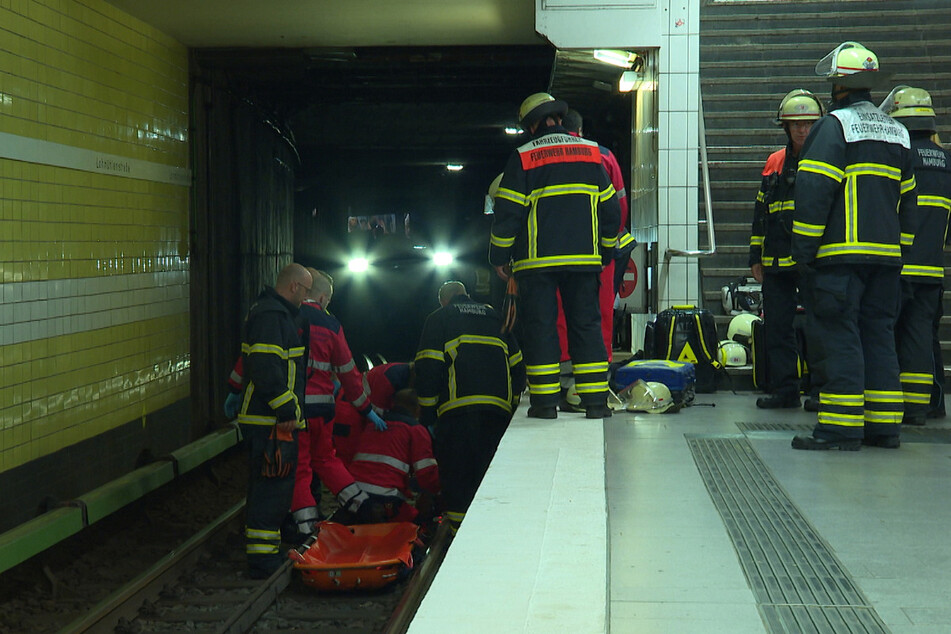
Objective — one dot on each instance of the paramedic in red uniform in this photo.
(855, 171)
(555, 227)
(329, 356)
(770, 242)
(385, 462)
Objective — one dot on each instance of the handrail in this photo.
(708, 202)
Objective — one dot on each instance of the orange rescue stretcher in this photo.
(365, 556)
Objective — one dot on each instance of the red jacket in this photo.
(385, 460)
(329, 354)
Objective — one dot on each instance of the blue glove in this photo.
(378, 422)
(336, 387)
(233, 405)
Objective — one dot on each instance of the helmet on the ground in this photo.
(732, 353)
(851, 65)
(911, 106)
(648, 396)
(741, 328)
(538, 106)
(798, 105)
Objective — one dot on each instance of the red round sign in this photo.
(630, 279)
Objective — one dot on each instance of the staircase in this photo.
(752, 53)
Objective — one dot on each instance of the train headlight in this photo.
(358, 265)
(443, 258)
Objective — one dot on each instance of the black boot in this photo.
(811, 443)
(537, 411)
(597, 411)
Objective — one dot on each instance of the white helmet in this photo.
(911, 106)
(649, 396)
(851, 65)
(732, 353)
(741, 328)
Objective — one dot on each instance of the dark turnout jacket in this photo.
(556, 208)
(464, 363)
(855, 171)
(924, 259)
(273, 361)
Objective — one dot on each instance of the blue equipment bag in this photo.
(678, 376)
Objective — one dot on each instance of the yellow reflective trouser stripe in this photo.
(843, 420)
(918, 398)
(544, 388)
(883, 396)
(843, 400)
(872, 416)
(590, 388)
(922, 378)
(262, 549)
(537, 370)
(589, 368)
(263, 535)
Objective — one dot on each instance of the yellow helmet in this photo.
(647, 396)
(911, 106)
(538, 106)
(799, 105)
(851, 65)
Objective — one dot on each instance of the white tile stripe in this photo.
(21, 148)
(40, 310)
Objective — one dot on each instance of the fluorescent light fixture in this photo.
(454, 167)
(443, 258)
(358, 265)
(512, 130)
(630, 81)
(621, 59)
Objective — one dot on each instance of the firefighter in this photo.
(385, 462)
(469, 377)
(269, 412)
(556, 220)
(922, 272)
(770, 260)
(573, 124)
(855, 171)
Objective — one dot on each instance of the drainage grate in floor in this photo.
(938, 435)
(798, 583)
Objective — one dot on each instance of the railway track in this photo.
(202, 586)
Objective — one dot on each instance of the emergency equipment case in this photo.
(678, 376)
(686, 333)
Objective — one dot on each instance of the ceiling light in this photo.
(512, 131)
(621, 59)
(454, 167)
(630, 81)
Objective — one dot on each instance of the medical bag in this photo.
(678, 376)
(760, 354)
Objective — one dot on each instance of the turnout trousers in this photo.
(269, 500)
(913, 341)
(465, 444)
(779, 310)
(855, 307)
(538, 312)
(317, 457)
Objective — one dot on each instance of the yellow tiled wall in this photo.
(93, 246)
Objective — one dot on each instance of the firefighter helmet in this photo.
(732, 353)
(741, 328)
(851, 65)
(489, 206)
(798, 105)
(648, 396)
(911, 106)
(538, 106)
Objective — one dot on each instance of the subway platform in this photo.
(702, 521)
